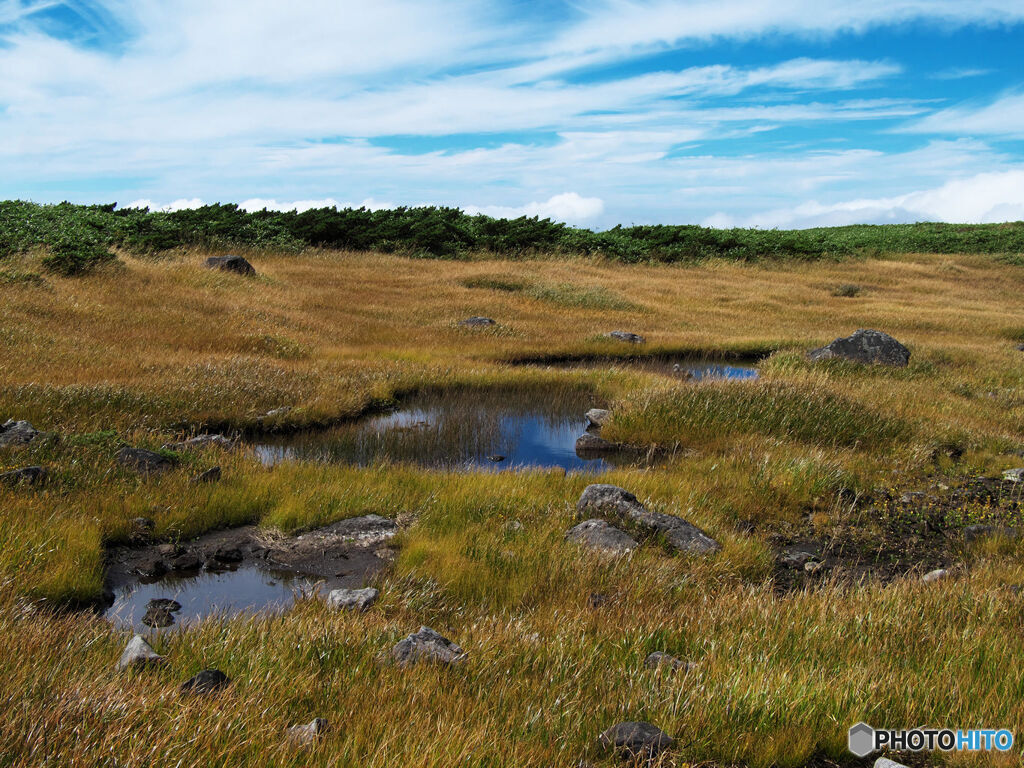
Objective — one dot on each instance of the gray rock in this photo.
(207, 681)
(212, 475)
(796, 557)
(477, 322)
(598, 417)
(937, 575)
(139, 653)
(164, 603)
(17, 433)
(980, 531)
(25, 475)
(663, 661)
(308, 733)
(186, 561)
(610, 500)
(496, 458)
(626, 336)
(884, 762)
(199, 442)
(1014, 475)
(230, 263)
(352, 599)
(428, 646)
(275, 412)
(142, 461)
(159, 613)
(866, 347)
(600, 537)
(588, 442)
(635, 739)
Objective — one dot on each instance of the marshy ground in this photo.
(831, 487)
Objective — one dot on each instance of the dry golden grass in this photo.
(158, 347)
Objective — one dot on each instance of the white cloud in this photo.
(569, 207)
(1003, 117)
(981, 199)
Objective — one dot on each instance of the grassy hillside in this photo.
(152, 348)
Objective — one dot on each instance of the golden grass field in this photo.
(149, 349)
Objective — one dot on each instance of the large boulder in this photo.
(626, 336)
(142, 461)
(231, 263)
(25, 475)
(138, 653)
(633, 739)
(428, 646)
(600, 537)
(17, 432)
(866, 347)
(611, 501)
(352, 599)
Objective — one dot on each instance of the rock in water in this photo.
(600, 537)
(429, 646)
(139, 653)
(610, 500)
(207, 681)
(635, 739)
(478, 322)
(231, 263)
(25, 475)
(626, 336)
(866, 347)
(352, 599)
(588, 442)
(17, 432)
(142, 461)
(308, 733)
(598, 417)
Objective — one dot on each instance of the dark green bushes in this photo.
(80, 236)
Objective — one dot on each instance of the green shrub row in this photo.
(79, 237)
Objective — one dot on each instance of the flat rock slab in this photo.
(429, 646)
(352, 599)
(602, 538)
(230, 263)
(867, 347)
(143, 461)
(626, 336)
(17, 433)
(138, 653)
(611, 501)
(24, 476)
(206, 682)
(635, 739)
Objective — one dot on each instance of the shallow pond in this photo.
(457, 430)
(683, 368)
(228, 592)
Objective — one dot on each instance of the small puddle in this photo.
(245, 589)
(685, 368)
(460, 430)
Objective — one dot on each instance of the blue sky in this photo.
(770, 113)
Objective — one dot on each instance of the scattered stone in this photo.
(496, 458)
(212, 475)
(169, 550)
(635, 739)
(152, 567)
(207, 681)
(1020, 347)
(17, 433)
(142, 524)
(626, 336)
(275, 412)
(429, 646)
(912, 497)
(598, 417)
(352, 599)
(186, 561)
(597, 599)
(937, 575)
(142, 461)
(662, 660)
(387, 554)
(866, 347)
(231, 263)
(980, 531)
(1014, 475)
(227, 554)
(588, 442)
(884, 762)
(797, 557)
(25, 475)
(199, 442)
(603, 499)
(813, 566)
(600, 537)
(308, 733)
(477, 322)
(138, 653)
